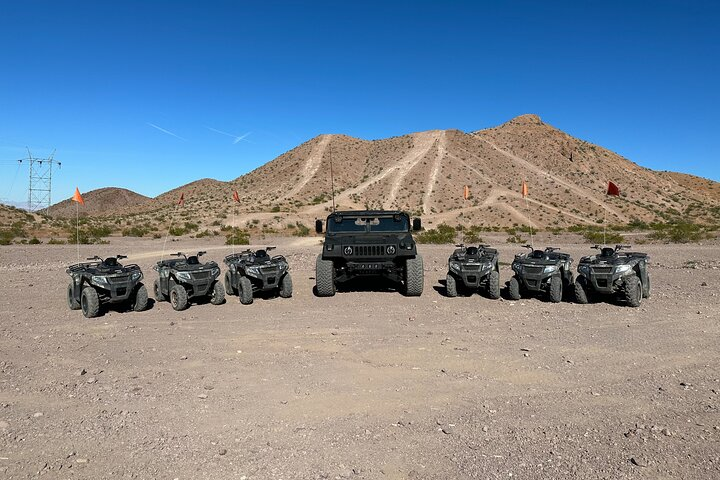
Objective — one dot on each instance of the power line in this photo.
(40, 185)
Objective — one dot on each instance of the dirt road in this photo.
(361, 385)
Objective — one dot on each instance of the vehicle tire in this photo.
(178, 297)
(159, 297)
(72, 303)
(646, 288)
(90, 302)
(556, 289)
(414, 277)
(493, 288)
(286, 286)
(581, 290)
(139, 299)
(632, 292)
(324, 277)
(514, 289)
(217, 296)
(451, 285)
(245, 292)
(229, 289)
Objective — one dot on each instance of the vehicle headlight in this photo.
(184, 276)
(215, 271)
(253, 270)
(390, 250)
(584, 269)
(517, 267)
(455, 266)
(348, 250)
(550, 269)
(101, 281)
(233, 268)
(329, 246)
(136, 276)
(623, 268)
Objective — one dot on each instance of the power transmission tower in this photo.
(40, 189)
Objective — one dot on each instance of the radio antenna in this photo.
(332, 179)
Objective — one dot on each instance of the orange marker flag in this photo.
(182, 199)
(466, 192)
(236, 197)
(613, 190)
(524, 189)
(77, 197)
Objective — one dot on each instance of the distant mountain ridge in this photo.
(425, 172)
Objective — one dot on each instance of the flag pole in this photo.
(604, 224)
(77, 229)
(527, 210)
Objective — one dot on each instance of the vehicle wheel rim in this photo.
(173, 298)
(83, 304)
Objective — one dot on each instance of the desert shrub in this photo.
(237, 236)
(302, 230)
(515, 239)
(443, 233)
(472, 234)
(204, 233)
(680, 232)
(34, 241)
(54, 241)
(177, 231)
(135, 231)
(598, 237)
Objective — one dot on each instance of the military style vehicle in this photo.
(99, 282)
(256, 271)
(472, 269)
(184, 278)
(369, 244)
(539, 271)
(613, 272)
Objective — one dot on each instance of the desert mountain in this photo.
(424, 173)
(102, 201)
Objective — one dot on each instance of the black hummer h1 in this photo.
(371, 243)
(613, 272)
(181, 279)
(472, 268)
(541, 271)
(255, 271)
(105, 281)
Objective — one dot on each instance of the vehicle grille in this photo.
(201, 275)
(602, 270)
(268, 270)
(119, 279)
(534, 270)
(368, 250)
(472, 267)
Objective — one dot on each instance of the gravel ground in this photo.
(360, 385)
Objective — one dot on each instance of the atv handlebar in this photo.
(267, 249)
(178, 254)
(621, 247)
(201, 253)
(551, 249)
(528, 246)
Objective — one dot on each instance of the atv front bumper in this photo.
(535, 282)
(472, 277)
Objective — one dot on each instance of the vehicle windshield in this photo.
(342, 224)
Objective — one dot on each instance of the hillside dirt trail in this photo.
(367, 384)
(543, 173)
(312, 164)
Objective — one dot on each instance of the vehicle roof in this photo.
(368, 213)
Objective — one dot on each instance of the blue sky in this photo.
(94, 79)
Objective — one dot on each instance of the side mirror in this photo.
(417, 224)
(318, 226)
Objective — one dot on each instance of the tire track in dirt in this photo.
(312, 165)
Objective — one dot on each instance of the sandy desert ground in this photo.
(362, 385)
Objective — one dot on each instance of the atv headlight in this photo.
(215, 271)
(623, 269)
(100, 281)
(233, 268)
(455, 266)
(253, 270)
(517, 267)
(550, 269)
(184, 276)
(584, 269)
(136, 276)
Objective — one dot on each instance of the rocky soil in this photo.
(363, 385)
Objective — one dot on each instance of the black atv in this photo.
(184, 278)
(541, 271)
(473, 268)
(105, 282)
(613, 272)
(256, 271)
(370, 245)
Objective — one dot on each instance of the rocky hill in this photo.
(425, 173)
(103, 201)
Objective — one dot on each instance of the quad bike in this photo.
(252, 271)
(184, 278)
(613, 272)
(537, 271)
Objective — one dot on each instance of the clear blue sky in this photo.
(92, 78)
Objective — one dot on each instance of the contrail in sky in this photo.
(166, 131)
(237, 139)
